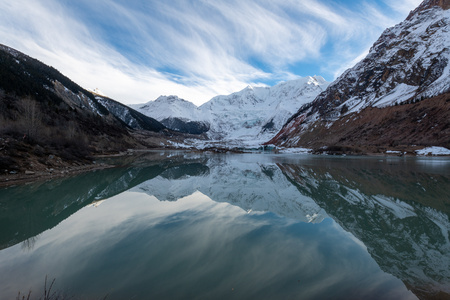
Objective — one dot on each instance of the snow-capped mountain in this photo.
(175, 113)
(408, 63)
(43, 109)
(253, 114)
(257, 113)
(169, 107)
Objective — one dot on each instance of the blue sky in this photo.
(136, 50)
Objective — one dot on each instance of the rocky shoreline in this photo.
(66, 169)
(18, 178)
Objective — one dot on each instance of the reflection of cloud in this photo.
(404, 6)
(199, 246)
(136, 51)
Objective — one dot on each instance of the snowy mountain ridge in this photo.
(421, 42)
(169, 107)
(409, 63)
(252, 115)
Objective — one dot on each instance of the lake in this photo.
(175, 225)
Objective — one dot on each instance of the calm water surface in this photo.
(254, 226)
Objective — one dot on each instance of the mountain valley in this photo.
(396, 100)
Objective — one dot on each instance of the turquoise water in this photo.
(196, 226)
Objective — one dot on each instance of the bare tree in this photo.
(32, 117)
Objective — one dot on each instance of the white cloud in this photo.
(403, 6)
(370, 20)
(195, 50)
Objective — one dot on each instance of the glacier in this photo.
(246, 118)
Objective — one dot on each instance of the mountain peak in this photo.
(409, 63)
(444, 4)
(427, 4)
(171, 99)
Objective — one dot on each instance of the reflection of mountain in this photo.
(393, 212)
(249, 185)
(23, 216)
(398, 208)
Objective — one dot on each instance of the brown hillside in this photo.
(377, 129)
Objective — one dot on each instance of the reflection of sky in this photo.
(136, 246)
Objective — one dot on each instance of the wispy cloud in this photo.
(403, 6)
(135, 51)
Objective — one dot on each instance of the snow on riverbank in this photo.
(433, 151)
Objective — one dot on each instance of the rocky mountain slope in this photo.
(407, 64)
(250, 116)
(24, 76)
(48, 121)
(129, 116)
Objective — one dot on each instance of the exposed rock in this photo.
(427, 4)
(407, 64)
(181, 125)
(425, 123)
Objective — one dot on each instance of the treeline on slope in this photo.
(23, 76)
(33, 134)
(38, 128)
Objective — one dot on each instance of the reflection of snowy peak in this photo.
(402, 236)
(251, 186)
(253, 114)
(259, 187)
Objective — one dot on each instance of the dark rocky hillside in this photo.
(132, 118)
(49, 122)
(191, 127)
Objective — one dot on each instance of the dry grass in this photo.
(49, 293)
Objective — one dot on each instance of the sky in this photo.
(136, 50)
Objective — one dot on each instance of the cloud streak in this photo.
(135, 51)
